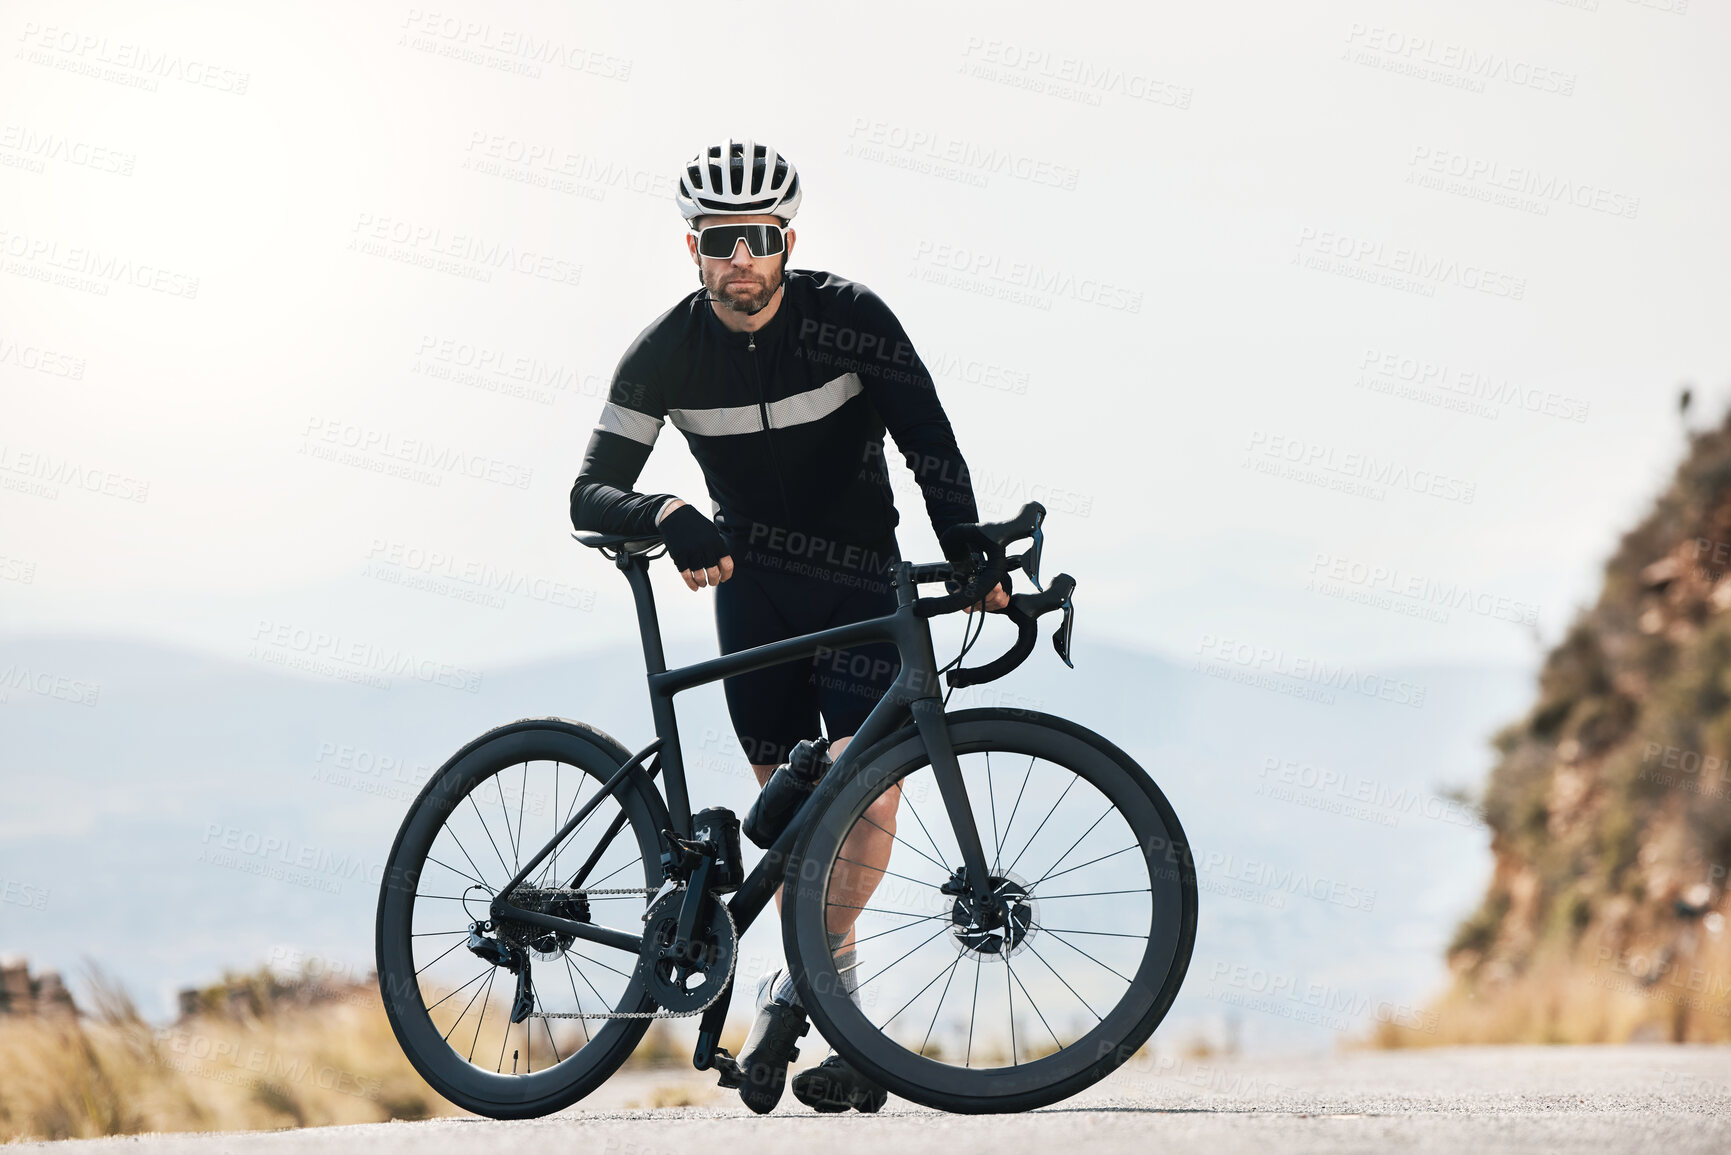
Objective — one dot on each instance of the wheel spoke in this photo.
(484, 972)
(1084, 953)
(1065, 981)
(941, 972)
(517, 847)
(1010, 994)
(992, 797)
(1090, 862)
(881, 973)
(448, 950)
(968, 1059)
(1018, 805)
(940, 1006)
(489, 831)
(915, 811)
(1109, 810)
(485, 999)
(1035, 1005)
(1093, 893)
(917, 919)
(454, 870)
(570, 973)
(891, 873)
(1074, 778)
(896, 838)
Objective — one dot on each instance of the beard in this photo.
(742, 292)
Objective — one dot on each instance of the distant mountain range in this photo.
(1335, 857)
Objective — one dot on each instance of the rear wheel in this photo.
(1054, 986)
(483, 815)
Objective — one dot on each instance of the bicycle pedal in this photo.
(727, 1069)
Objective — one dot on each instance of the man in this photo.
(783, 382)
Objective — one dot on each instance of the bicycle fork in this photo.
(974, 878)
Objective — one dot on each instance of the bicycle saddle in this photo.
(630, 543)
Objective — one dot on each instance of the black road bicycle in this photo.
(544, 900)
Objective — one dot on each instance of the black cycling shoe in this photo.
(770, 1047)
(833, 1085)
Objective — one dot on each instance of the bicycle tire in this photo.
(492, 1093)
(1086, 1058)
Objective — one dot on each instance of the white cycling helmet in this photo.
(738, 179)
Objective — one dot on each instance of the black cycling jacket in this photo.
(787, 423)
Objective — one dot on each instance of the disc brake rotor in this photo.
(977, 936)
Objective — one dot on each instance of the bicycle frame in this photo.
(912, 694)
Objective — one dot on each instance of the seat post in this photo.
(636, 570)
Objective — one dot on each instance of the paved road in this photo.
(1485, 1100)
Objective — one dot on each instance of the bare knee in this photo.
(883, 810)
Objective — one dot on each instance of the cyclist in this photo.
(783, 382)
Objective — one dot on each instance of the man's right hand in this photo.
(695, 545)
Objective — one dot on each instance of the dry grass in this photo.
(1597, 997)
(338, 1062)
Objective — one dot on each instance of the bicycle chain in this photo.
(733, 958)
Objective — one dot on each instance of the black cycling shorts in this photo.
(771, 597)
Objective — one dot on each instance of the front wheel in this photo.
(1021, 1005)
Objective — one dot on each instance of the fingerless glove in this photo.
(692, 540)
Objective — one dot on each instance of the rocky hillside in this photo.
(1610, 805)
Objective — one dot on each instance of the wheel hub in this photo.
(999, 926)
(543, 943)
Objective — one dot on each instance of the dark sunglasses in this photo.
(718, 242)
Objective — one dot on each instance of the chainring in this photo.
(680, 988)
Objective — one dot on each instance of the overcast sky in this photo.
(1276, 306)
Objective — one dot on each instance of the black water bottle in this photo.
(786, 791)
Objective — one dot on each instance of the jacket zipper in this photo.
(763, 412)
